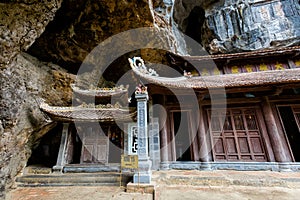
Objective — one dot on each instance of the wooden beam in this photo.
(231, 101)
(285, 99)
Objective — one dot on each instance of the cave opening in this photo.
(194, 24)
(46, 152)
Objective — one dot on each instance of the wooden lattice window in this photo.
(236, 136)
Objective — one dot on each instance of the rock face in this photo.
(220, 26)
(235, 26)
(23, 83)
(22, 21)
(80, 25)
(24, 79)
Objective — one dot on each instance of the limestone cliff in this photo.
(24, 83)
(235, 26)
(22, 21)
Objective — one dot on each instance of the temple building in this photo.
(90, 137)
(231, 111)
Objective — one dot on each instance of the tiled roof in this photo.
(99, 92)
(86, 114)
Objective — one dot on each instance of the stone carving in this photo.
(134, 140)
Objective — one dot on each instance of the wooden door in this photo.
(95, 147)
(236, 135)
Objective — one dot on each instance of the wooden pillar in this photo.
(61, 158)
(171, 138)
(278, 141)
(163, 129)
(70, 148)
(194, 137)
(161, 113)
(203, 138)
(163, 141)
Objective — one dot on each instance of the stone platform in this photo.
(181, 184)
(227, 178)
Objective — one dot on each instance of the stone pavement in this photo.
(180, 184)
(227, 178)
(74, 193)
(226, 185)
(228, 193)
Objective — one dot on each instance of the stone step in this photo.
(70, 179)
(79, 168)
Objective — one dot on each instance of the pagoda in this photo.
(92, 139)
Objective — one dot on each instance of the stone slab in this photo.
(91, 168)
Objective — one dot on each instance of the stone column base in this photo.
(144, 174)
(142, 177)
(57, 169)
(164, 166)
(284, 167)
(205, 166)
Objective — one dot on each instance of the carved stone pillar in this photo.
(144, 175)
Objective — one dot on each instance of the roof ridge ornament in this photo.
(100, 92)
(141, 89)
(137, 63)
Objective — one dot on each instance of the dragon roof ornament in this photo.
(137, 63)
